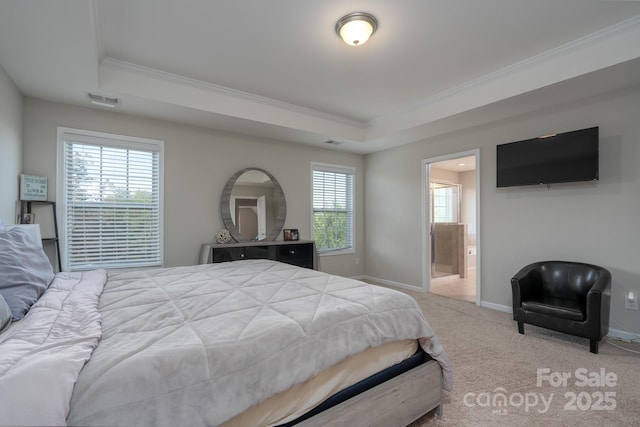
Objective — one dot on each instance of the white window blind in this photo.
(332, 207)
(112, 216)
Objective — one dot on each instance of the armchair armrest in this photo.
(525, 284)
(599, 301)
(602, 284)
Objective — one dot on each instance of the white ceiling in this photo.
(461, 164)
(277, 69)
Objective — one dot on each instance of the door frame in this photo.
(426, 218)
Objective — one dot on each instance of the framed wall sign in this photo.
(33, 187)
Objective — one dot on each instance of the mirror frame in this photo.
(226, 208)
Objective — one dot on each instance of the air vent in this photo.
(102, 101)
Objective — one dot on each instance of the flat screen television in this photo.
(563, 157)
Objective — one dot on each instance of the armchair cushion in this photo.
(558, 307)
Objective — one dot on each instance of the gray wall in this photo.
(590, 222)
(10, 147)
(596, 222)
(198, 163)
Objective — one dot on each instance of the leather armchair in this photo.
(569, 297)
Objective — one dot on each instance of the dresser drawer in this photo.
(257, 252)
(239, 253)
(227, 254)
(300, 254)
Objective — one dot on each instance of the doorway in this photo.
(249, 215)
(451, 226)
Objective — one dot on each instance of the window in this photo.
(445, 202)
(332, 207)
(110, 188)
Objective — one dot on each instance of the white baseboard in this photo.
(622, 335)
(613, 333)
(390, 283)
(497, 307)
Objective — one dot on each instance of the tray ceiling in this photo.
(278, 70)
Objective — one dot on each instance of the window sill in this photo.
(338, 252)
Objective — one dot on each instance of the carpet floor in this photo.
(542, 378)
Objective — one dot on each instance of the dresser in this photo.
(300, 252)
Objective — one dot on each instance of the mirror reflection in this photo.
(253, 206)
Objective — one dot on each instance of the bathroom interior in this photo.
(452, 228)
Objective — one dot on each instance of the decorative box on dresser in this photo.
(300, 252)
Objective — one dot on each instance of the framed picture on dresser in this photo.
(290, 234)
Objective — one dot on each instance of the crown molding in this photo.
(601, 49)
(491, 87)
(227, 92)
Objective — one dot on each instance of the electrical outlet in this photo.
(631, 301)
(357, 260)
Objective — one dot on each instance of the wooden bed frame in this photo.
(396, 402)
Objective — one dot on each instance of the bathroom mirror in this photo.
(253, 206)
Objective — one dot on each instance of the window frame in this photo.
(327, 167)
(114, 141)
(452, 205)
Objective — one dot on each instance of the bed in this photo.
(216, 344)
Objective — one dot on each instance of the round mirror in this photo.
(253, 206)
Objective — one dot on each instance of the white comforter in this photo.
(42, 356)
(198, 345)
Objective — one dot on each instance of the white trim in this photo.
(497, 307)
(612, 45)
(620, 334)
(613, 333)
(390, 283)
(426, 223)
(337, 252)
(226, 91)
(526, 64)
(426, 219)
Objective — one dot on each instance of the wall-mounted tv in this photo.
(563, 157)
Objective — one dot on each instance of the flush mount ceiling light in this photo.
(356, 28)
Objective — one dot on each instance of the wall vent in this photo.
(103, 101)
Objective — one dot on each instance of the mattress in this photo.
(302, 398)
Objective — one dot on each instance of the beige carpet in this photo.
(490, 359)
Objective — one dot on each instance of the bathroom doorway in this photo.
(250, 215)
(451, 218)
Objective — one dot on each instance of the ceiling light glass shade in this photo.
(356, 28)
